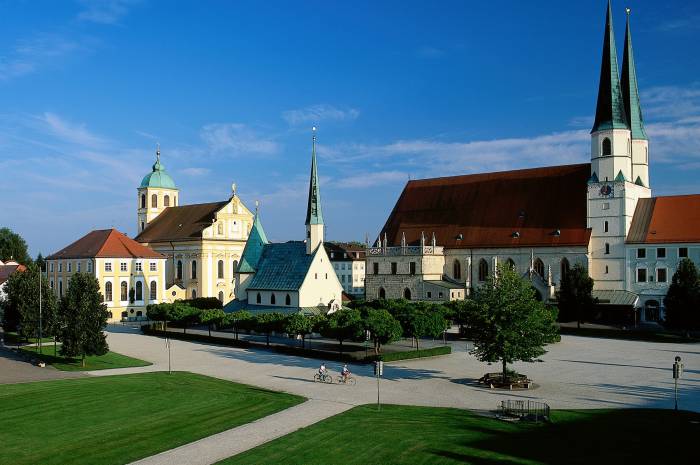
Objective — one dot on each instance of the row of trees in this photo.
(77, 320)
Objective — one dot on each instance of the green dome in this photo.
(158, 177)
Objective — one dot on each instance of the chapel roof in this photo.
(182, 223)
(282, 266)
(253, 247)
(668, 219)
(539, 207)
(105, 243)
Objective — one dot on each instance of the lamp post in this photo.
(40, 310)
(677, 373)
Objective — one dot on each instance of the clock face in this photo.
(606, 190)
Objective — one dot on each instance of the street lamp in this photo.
(677, 373)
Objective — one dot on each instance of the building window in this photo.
(70, 267)
(288, 300)
(605, 226)
(407, 294)
(60, 267)
(122, 266)
(89, 266)
(154, 290)
(124, 294)
(315, 275)
(143, 226)
(154, 201)
(641, 253)
(605, 206)
(607, 249)
(651, 310)
(234, 267)
(220, 228)
(607, 147)
(641, 275)
(511, 264)
(258, 298)
(220, 269)
(606, 269)
(166, 201)
(483, 270)
(382, 293)
(375, 268)
(457, 270)
(108, 291)
(194, 293)
(539, 267)
(153, 266)
(179, 269)
(429, 294)
(661, 275)
(139, 266)
(108, 266)
(661, 252)
(143, 200)
(221, 296)
(682, 253)
(439, 295)
(273, 300)
(51, 266)
(193, 274)
(139, 290)
(60, 288)
(412, 267)
(51, 284)
(393, 267)
(564, 268)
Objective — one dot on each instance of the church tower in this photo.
(314, 216)
(156, 193)
(619, 164)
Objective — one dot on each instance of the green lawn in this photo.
(118, 419)
(422, 435)
(92, 362)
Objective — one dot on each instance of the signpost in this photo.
(677, 373)
(379, 371)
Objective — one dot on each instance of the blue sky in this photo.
(397, 89)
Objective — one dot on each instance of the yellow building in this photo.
(203, 242)
(131, 276)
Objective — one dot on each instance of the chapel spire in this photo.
(630, 92)
(314, 216)
(610, 111)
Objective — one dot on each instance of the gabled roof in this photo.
(7, 270)
(105, 243)
(545, 206)
(671, 219)
(282, 267)
(630, 92)
(253, 247)
(183, 223)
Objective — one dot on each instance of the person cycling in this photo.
(345, 372)
(322, 370)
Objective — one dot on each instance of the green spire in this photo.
(620, 177)
(253, 246)
(610, 111)
(313, 210)
(630, 93)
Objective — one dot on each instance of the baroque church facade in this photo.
(446, 235)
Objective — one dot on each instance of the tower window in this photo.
(607, 146)
(605, 226)
(607, 249)
(375, 268)
(166, 201)
(143, 200)
(154, 201)
(393, 267)
(412, 267)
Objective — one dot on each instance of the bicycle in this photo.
(350, 380)
(325, 378)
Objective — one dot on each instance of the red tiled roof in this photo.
(546, 207)
(183, 223)
(7, 270)
(670, 219)
(105, 243)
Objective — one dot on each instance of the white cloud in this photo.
(30, 54)
(195, 171)
(105, 11)
(314, 114)
(76, 133)
(371, 179)
(671, 102)
(237, 139)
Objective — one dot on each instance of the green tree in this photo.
(510, 324)
(267, 323)
(83, 316)
(241, 319)
(299, 324)
(12, 246)
(682, 300)
(383, 327)
(184, 315)
(40, 262)
(343, 325)
(214, 316)
(461, 312)
(575, 298)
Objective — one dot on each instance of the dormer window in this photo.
(607, 146)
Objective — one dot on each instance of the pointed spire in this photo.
(313, 210)
(403, 239)
(253, 246)
(610, 111)
(630, 92)
(422, 239)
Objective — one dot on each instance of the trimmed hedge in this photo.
(224, 341)
(409, 354)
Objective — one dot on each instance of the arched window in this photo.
(166, 201)
(382, 293)
(288, 300)
(179, 269)
(194, 293)
(483, 270)
(539, 267)
(407, 294)
(511, 264)
(607, 249)
(154, 201)
(457, 270)
(564, 268)
(194, 269)
(273, 301)
(124, 294)
(139, 290)
(221, 296)
(607, 147)
(220, 269)
(108, 291)
(143, 200)
(258, 298)
(154, 290)
(234, 267)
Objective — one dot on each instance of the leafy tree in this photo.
(214, 316)
(383, 327)
(343, 325)
(682, 300)
(185, 315)
(299, 324)
(203, 303)
(461, 312)
(40, 262)
(510, 324)
(12, 246)
(575, 295)
(242, 319)
(268, 323)
(83, 316)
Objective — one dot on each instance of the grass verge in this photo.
(92, 362)
(119, 419)
(423, 435)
